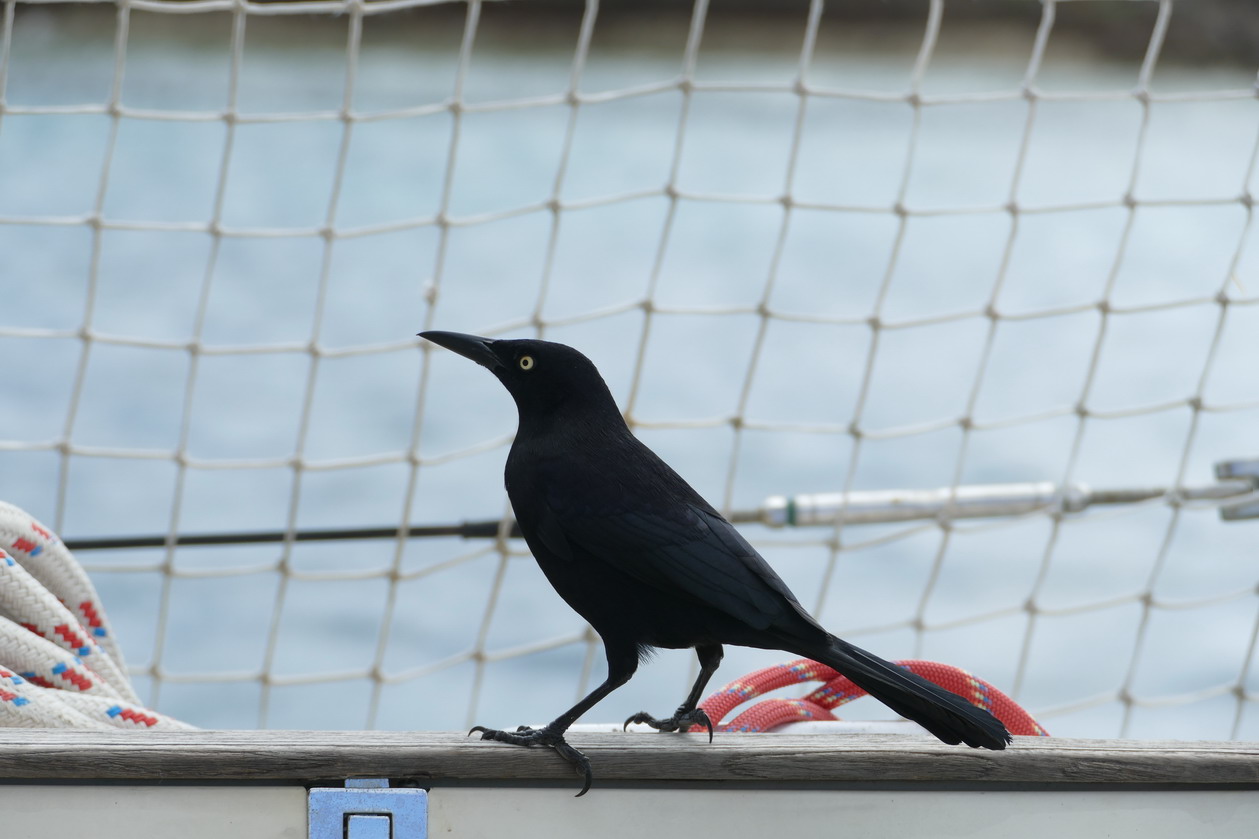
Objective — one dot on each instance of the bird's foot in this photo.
(680, 721)
(547, 737)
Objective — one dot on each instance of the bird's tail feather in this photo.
(940, 711)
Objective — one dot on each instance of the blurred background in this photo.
(812, 247)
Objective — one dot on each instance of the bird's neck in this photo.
(570, 424)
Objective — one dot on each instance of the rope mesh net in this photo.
(841, 347)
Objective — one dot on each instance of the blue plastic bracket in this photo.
(1247, 470)
(366, 808)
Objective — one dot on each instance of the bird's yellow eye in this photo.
(526, 362)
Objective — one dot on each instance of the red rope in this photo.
(768, 714)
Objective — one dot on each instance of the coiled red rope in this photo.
(836, 689)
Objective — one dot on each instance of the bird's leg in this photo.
(621, 666)
(687, 713)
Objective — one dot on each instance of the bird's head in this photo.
(541, 376)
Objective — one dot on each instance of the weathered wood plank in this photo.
(434, 757)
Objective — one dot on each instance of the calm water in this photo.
(383, 286)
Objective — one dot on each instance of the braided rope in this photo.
(838, 689)
(25, 602)
(45, 664)
(59, 667)
(49, 561)
(24, 704)
(21, 706)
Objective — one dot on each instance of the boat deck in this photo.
(254, 783)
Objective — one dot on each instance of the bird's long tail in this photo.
(942, 712)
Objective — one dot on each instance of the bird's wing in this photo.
(681, 549)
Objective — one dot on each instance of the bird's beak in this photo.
(469, 346)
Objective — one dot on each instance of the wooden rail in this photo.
(440, 758)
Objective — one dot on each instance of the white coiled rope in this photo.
(60, 666)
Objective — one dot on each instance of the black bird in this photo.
(649, 563)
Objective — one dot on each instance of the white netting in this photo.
(829, 255)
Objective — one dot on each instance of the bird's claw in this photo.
(579, 762)
(680, 721)
(551, 739)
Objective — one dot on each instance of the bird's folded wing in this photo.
(686, 551)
